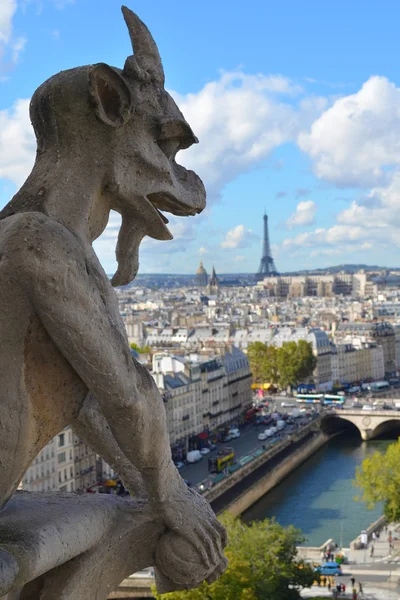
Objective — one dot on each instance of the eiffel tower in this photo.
(267, 266)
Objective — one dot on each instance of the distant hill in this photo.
(346, 268)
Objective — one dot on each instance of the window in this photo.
(61, 440)
(71, 470)
(70, 455)
(59, 477)
(61, 457)
(65, 475)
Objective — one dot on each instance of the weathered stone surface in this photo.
(107, 139)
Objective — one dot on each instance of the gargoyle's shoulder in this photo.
(34, 233)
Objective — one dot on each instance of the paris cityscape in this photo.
(200, 294)
(195, 335)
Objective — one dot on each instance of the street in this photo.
(248, 441)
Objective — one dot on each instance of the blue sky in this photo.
(297, 107)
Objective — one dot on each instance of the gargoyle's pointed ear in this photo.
(110, 95)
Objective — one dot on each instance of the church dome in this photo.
(201, 275)
(201, 270)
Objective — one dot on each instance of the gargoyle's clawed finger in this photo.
(203, 537)
(218, 571)
(222, 531)
(211, 545)
(216, 543)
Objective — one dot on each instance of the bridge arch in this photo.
(391, 426)
(334, 423)
(370, 424)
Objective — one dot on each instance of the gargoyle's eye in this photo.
(170, 147)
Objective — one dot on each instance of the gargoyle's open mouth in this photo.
(169, 203)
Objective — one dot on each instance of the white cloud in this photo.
(304, 215)
(239, 120)
(10, 47)
(17, 143)
(357, 139)
(238, 237)
(17, 46)
(203, 251)
(7, 11)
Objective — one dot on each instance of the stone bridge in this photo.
(370, 424)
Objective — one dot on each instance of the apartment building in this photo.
(65, 464)
(379, 333)
(339, 284)
(201, 395)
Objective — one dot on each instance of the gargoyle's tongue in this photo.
(137, 222)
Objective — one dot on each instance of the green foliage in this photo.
(379, 479)
(141, 350)
(285, 366)
(262, 564)
(256, 355)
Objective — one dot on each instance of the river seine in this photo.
(318, 497)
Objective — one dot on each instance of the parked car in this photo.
(179, 464)
(194, 456)
(211, 446)
(329, 568)
(368, 407)
(205, 451)
(234, 433)
(262, 437)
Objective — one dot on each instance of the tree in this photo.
(296, 362)
(256, 355)
(288, 365)
(306, 360)
(379, 479)
(140, 350)
(262, 564)
(271, 370)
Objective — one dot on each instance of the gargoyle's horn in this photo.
(146, 62)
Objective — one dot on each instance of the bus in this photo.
(379, 386)
(309, 398)
(219, 463)
(333, 399)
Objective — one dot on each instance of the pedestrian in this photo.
(354, 594)
(339, 588)
(360, 588)
(343, 588)
(353, 582)
(373, 536)
(378, 535)
(329, 585)
(371, 551)
(386, 528)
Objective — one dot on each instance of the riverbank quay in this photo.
(370, 593)
(267, 468)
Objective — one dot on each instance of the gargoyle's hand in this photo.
(196, 540)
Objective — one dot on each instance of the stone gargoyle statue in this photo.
(106, 140)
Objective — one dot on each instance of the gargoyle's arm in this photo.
(77, 306)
